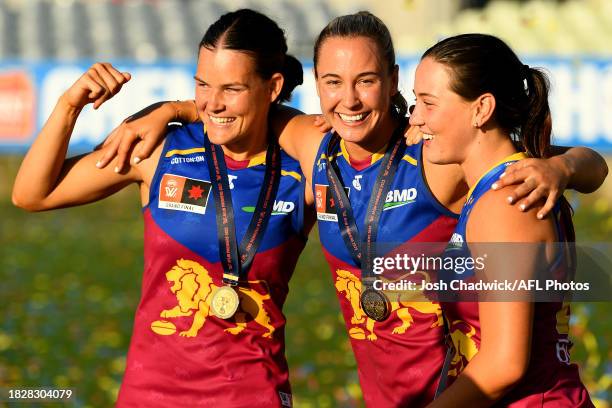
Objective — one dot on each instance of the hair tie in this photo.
(525, 71)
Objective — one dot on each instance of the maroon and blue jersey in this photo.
(550, 380)
(399, 360)
(180, 353)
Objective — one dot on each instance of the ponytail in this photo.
(536, 124)
(293, 75)
(535, 137)
(482, 63)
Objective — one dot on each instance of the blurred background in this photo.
(70, 279)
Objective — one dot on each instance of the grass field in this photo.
(70, 283)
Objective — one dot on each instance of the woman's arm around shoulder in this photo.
(301, 138)
(578, 168)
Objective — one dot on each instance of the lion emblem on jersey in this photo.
(193, 288)
(350, 285)
(465, 347)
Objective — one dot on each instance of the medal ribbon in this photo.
(236, 261)
(346, 220)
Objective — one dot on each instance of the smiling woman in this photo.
(475, 96)
(237, 80)
(445, 118)
(357, 81)
(209, 329)
(233, 101)
(370, 188)
(354, 92)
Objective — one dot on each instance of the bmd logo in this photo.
(399, 198)
(283, 207)
(280, 208)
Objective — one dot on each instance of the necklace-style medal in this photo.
(237, 260)
(374, 303)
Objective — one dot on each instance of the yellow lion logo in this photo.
(465, 348)
(193, 288)
(351, 286)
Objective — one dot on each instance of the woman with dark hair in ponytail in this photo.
(223, 208)
(394, 200)
(474, 97)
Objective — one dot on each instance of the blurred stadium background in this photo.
(71, 278)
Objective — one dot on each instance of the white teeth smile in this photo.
(352, 118)
(427, 136)
(221, 121)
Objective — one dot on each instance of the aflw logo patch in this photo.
(183, 194)
(325, 203)
(399, 198)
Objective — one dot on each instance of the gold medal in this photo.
(375, 305)
(224, 302)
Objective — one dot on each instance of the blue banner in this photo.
(581, 98)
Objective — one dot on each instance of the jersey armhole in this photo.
(300, 218)
(430, 195)
(161, 164)
(315, 165)
(560, 236)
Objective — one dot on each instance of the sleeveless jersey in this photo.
(399, 360)
(180, 354)
(550, 379)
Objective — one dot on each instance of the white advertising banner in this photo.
(581, 98)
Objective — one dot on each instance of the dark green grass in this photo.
(70, 283)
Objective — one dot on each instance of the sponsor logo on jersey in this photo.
(321, 164)
(187, 159)
(400, 198)
(325, 204)
(231, 179)
(183, 194)
(456, 242)
(356, 182)
(280, 208)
